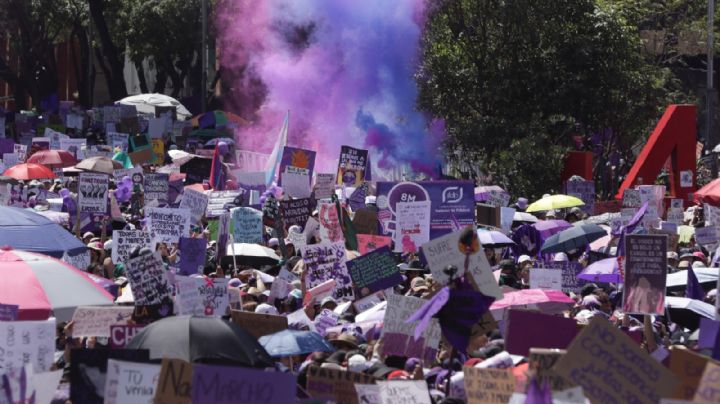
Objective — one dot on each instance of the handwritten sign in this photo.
(351, 166)
(631, 198)
(296, 211)
(706, 235)
(324, 320)
(175, 383)
(546, 278)
(628, 373)
(645, 274)
(156, 188)
(259, 324)
(192, 255)
(148, 279)
(121, 334)
(27, 342)
(541, 361)
(167, 225)
(584, 190)
(124, 241)
(688, 367)
(399, 336)
(335, 384)
(327, 261)
(130, 382)
(196, 202)
(488, 386)
(412, 225)
(96, 321)
(368, 393)
(374, 271)
(93, 193)
(324, 185)
(330, 228)
(248, 225)
(296, 185)
(708, 390)
(226, 384)
(404, 391)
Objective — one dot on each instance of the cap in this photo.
(88, 234)
(327, 299)
(273, 242)
(95, 245)
(524, 258)
(357, 363)
(560, 257)
(108, 245)
(418, 284)
(672, 255)
(264, 308)
(522, 203)
(699, 254)
(346, 339)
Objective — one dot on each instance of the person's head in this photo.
(87, 237)
(672, 259)
(328, 303)
(508, 267)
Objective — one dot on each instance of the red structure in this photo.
(673, 141)
(578, 163)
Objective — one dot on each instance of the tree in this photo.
(110, 25)
(515, 81)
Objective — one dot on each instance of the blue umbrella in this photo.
(573, 238)
(28, 231)
(213, 142)
(293, 342)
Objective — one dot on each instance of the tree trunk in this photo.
(112, 55)
(141, 77)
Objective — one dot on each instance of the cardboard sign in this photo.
(247, 225)
(124, 241)
(399, 336)
(96, 321)
(167, 225)
(88, 371)
(156, 188)
(445, 251)
(324, 185)
(335, 384)
(130, 382)
(93, 193)
(368, 393)
(297, 211)
(413, 226)
(324, 320)
(488, 386)
(548, 331)
(296, 185)
(259, 324)
(374, 271)
(708, 390)
(196, 202)
(688, 367)
(330, 228)
(545, 278)
(327, 261)
(213, 384)
(351, 166)
(366, 221)
(628, 374)
(121, 334)
(397, 391)
(148, 279)
(175, 382)
(27, 343)
(541, 361)
(368, 243)
(297, 161)
(192, 255)
(645, 274)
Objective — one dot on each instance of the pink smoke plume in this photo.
(343, 68)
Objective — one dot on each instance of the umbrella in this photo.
(180, 157)
(549, 227)
(25, 230)
(548, 301)
(217, 119)
(687, 312)
(704, 275)
(253, 255)
(29, 171)
(61, 218)
(554, 202)
(209, 133)
(53, 158)
(201, 339)
(124, 159)
(524, 217)
(292, 342)
(573, 238)
(99, 164)
(605, 270)
(482, 193)
(709, 194)
(146, 103)
(605, 218)
(493, 239)
(602, 241)
(213, 142)
(40, 284)
(108, 285)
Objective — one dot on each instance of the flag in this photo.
(693, 290)
(276, 154)
(217, 174)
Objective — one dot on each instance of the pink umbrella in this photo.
(547, 301)
(549, 227)
(603, 241)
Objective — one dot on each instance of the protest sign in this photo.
(27, 343)
(708, 390)
(220, 202)
(192, 255)
(93, 193)
(296, 212)
(248, 161)
(175, 382)
(548, 331)
(507, 215)
(324, 186)
(335, 384)
(9, 312)
(259, 324)
(118, 140)
(330, 228)
(585, 191)
(498, 198)
(21, 151)
(130, 382)
(18, 385)
(327, 261)
(541, 362)
(121, 334)
(631, 198)
(706, 236)
(212, 384)
(488, 386)
(450, 250)
(366, 302)
(296, 185)
(399, 336)
(351, 166)
(452, 204)
(96, 321)
(214, 298)
(148, 279)
(10, 159)
(545, 278)
(88, 370)
(373, 272)
(297, 161)
(124, 241)
(156, 188)
(196, 202)
(413, 226)
(135, 174)
(367, 393)
(73, 146)
(645, 274)
(187, 296)
(247, 225)
(79, 260)
(688, 367)
(324, 320)
(404, 391)
(610, 367)
(167, 225)
(319, 292)
(367, 242)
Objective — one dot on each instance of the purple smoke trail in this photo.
(343, 68)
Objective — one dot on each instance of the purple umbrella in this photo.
(606, 271)
(549, 227)
(493, 239)
(483, 193)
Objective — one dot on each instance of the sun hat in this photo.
(264, 308)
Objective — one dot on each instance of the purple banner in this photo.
(450, 201)
(192, 255)
(229, 384)
(297, 161)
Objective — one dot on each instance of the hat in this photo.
(418, 284)
(327, 299)
(357, 363)
(687, 255)
(522, 203)
(698, 264)
(699, 255)
(88, 234)
(560, 257)
(346, 339)
(273, 242)
(235, 283)
(264, 308)
(398, 374)
(672, 255)
(108, 245)
(379, 370)
(524, 258)
(684, 265)
(576, 210)
(95, 245)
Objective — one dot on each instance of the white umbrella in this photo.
(180, 157)
(524, 217)
(146, 103)
(704, 275)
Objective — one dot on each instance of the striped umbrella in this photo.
(40, 284)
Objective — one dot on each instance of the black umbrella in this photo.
(573, 238)
(201, 339)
